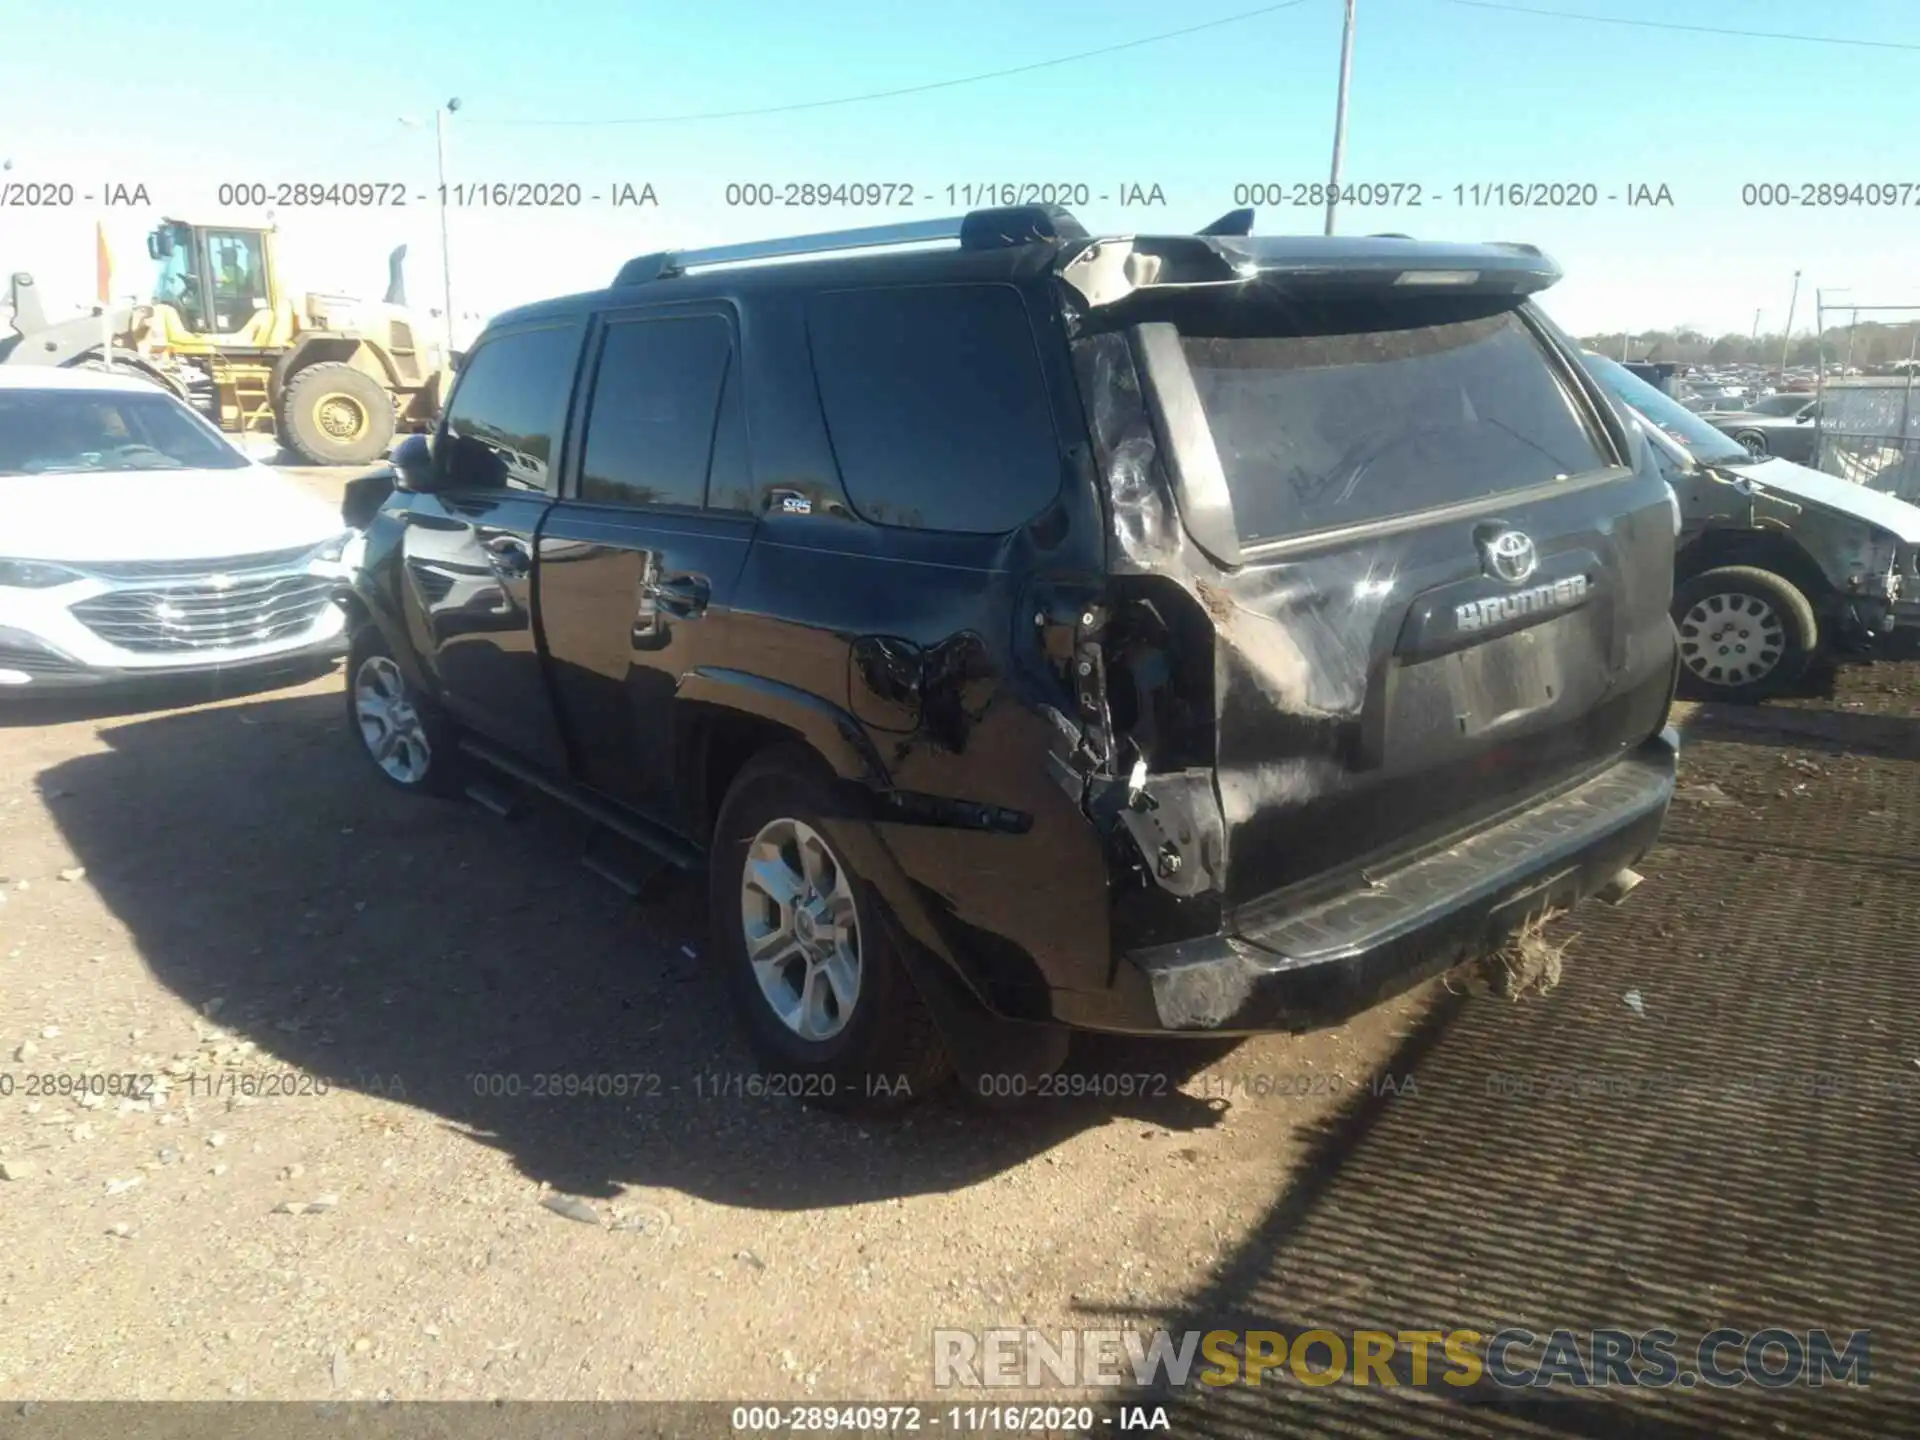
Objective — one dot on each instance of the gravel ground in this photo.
(241, 900)
(215, 892)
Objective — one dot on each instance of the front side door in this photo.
(469, 545)
(638, 561)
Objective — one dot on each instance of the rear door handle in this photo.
(685, 596)
(509, 556)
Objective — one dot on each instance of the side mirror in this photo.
(412, 462)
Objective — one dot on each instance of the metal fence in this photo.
(1869, 428)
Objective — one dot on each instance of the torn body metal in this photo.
(1869, 575)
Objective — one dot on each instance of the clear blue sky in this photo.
(1442, 95)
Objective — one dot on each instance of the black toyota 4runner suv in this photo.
(1029, 631)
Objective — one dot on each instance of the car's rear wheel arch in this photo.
(719, 744)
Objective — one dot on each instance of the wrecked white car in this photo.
(1777, 564)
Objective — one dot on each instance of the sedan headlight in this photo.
(34, 574)
(336, 547)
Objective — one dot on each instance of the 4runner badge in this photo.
(1508, 555)
(1499, 609)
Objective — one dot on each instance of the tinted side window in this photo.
(730, 477)
(650, 431)
(508, 408)
(936, 405)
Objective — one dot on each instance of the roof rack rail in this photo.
(976, 230)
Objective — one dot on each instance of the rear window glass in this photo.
(1362, 415)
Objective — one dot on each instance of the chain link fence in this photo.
(1869, 425)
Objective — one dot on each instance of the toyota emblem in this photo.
(1508, 555)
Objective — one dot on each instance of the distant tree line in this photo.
(1870, 344)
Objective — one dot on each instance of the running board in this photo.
(657, 838)
(494, 798)
(629, 879)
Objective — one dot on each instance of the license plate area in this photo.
(1508, 686)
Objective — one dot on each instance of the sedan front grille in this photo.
(236, 614)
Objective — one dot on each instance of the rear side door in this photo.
(638, 561)
(468, 547)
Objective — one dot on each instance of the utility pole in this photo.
(1340, 113)
(1786, 337)
(446, 247)
(1753, 345)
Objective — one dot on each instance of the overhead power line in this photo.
(917, 89)
(1689, 29)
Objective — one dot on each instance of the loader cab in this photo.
(218, 280)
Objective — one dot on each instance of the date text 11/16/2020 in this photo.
(392, 194)
(1477, 195)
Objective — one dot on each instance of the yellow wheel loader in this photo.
(331, 377)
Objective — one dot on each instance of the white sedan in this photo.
(136, 541)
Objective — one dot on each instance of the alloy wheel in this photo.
(394, 734)
(802, 929)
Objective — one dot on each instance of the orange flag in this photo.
(103, 262)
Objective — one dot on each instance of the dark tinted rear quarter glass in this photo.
(508, 407)
(730, 475)
(650, 431)
(936, 405)
(1365, 416)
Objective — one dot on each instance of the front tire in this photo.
(1745, 633)
(1755, 443)
(401, 732)
(337, 415)
(827, 1007)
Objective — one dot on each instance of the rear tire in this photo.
(403, 734)
(1754, 441)
(830, 1012)
(1745, 633)
(334, 414)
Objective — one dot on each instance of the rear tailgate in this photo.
(1436, 596)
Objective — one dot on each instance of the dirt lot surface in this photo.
(1710, 1121)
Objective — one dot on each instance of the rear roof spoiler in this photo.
(1105, 272)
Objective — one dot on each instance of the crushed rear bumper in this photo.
(1307, 967)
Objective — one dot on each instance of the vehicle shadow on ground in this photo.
(428, 952)
(1710, 1123)
(1832, 731)
(67, 706)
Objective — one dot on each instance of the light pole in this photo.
(1753, 345)
(1340, 113)
(1786, 337)
(446, 245)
